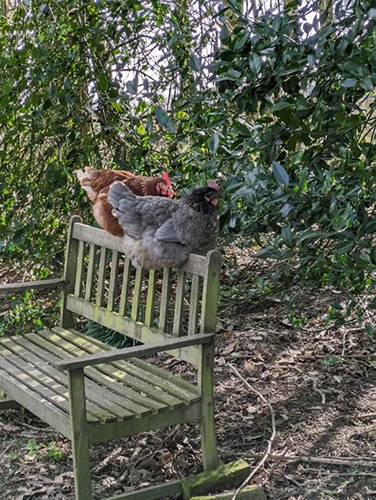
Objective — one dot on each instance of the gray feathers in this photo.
(160, 232)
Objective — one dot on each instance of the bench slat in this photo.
(90, 273)
(179, 302)
(101, 276)
(91, 346)
(96, 395)
(194, 305)
(135, 313)
(128, 327)
(113, 281)
(40, 406)
(104, 377)
(125, 288)
(195, 264)
(54, 343)
(39, 376)
(80, 269)
(165, 300)
(149, 314)
(173, 385)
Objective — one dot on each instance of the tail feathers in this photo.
(124, 204)
(118, 192)
(85, 179)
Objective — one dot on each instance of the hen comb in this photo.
(214, 185)
(166, 178)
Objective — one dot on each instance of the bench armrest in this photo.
(132, 352)
(33, 285)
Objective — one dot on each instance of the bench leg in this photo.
(80, 441)
(208, 439)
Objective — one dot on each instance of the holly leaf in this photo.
(165, 120)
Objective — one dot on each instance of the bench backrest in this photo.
(148, 306)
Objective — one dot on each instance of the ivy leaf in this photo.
(280, 174)
(165, 120)
(195, 63)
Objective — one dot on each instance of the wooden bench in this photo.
(91, 392)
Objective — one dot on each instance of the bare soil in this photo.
(319, 383)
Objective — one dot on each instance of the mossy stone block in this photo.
(225, 477)
(253, 492)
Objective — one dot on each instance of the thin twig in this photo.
(272, 437)
(7, 448)
(359, 461)
(346, 461)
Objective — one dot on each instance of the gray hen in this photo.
(160, 232)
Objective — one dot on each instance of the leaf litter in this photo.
(318, 380)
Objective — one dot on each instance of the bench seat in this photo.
(121, 391)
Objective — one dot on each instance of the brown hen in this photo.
(97, 184)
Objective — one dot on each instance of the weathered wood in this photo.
(115, 387)
(179, 303)
(101, 276)
(80, 440)
(98, 237)
(210, 292)
(174, 385)
(194, 305)
(48, 284)
(165, 299)
(152, 492)
(129, 352)
(225, 477)
(206, 383)
(80, 269)
(43, 379)
(125, 288)
(137, 293)
(113, 280)
(196, 264)
(90, 273)
(149, 313)
(102, 397)
(115, 430)
(43, 408)
(66, 316)
(128, 327)
(133, 376)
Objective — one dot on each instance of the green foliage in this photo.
(29, 311)
(110, 337)
(69, 99)
(295, 122)
(283, 109)
(48, 451)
